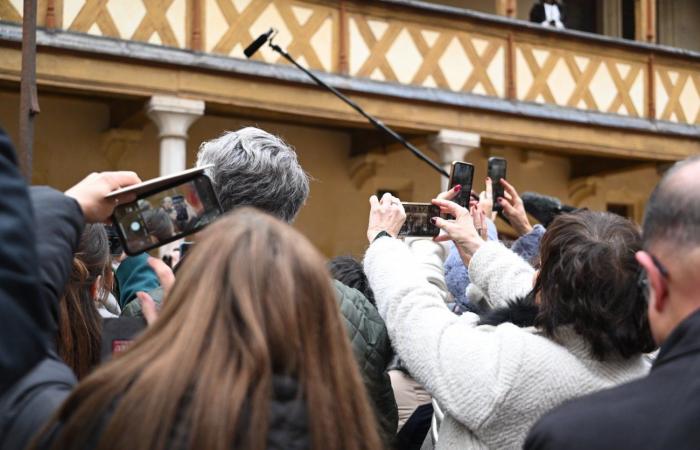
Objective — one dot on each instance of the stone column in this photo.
(173, 116)
(453, 145)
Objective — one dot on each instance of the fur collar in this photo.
(520, 312)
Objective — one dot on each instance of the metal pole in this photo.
(29, 102)
(373, 120)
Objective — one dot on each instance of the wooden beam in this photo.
(645, 20)
(264, 98)
(507, 8)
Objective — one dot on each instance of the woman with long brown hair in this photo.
(79, 323)
(249, 353)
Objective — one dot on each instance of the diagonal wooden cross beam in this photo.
(378, 49)
(480, 64)
(583, 81)
(8, 12)
(95, 12)
(238, 25)
(431, 57)
(155, 21)
(624, 86)
(302, 35)
(674, 95)
(540, 75)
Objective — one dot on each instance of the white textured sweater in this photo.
(492, 382)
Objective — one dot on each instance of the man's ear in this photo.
(658, 298)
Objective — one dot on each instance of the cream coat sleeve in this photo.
(500, 274)
(469, 369)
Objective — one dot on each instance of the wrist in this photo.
(373, 235)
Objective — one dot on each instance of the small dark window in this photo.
(620, 209)
(628, 19)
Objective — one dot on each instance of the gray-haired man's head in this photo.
(672, 216)
(253, 167)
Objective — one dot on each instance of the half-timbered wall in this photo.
(403, 45)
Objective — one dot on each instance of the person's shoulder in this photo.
(592, 420)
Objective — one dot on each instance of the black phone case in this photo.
(134, 252)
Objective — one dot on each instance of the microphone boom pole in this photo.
(374, 121)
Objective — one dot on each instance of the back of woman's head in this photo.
(589, 279)
(79, 324)
(253, 300)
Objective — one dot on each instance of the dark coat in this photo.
(30, 402)
(23, 319)
(373, 353)
(537, 14)
(661, 411)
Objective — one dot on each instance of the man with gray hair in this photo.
(255, 168)
(662, 410)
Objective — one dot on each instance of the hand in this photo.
(486, 199)
(514, 210)
(450, 193)
(461, 230)
(90, 193)
(167, 279)
(479, 219)
(387, 215)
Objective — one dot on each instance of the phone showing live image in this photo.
(462, 173)
(418, 222)
(497, 172)
(165, 211)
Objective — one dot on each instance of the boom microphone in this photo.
(259, 42)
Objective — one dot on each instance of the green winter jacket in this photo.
(373, 352)
(366, 330)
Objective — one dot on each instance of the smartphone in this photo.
(115, 244)
(462, 173)
(497, 172)
(166, 211)
(418, 222)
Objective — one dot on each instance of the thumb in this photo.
(148, 306)
(508, 208)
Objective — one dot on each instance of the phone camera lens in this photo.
(135, 226)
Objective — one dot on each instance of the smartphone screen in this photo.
(497, 171)
(463, 174)
(418, 222)
(168, 214)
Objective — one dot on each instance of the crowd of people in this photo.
(584, 332)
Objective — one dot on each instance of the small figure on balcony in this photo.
(550, 13)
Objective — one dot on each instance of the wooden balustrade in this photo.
(407, 45)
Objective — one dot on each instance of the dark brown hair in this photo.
(589, 279)
(79, 324)
(254, 300)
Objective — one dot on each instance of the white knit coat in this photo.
(492, 382)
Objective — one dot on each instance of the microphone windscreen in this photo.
(542, 207)
(255, 46)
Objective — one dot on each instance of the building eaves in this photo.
(139, 51)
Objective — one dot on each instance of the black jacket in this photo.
(537, 14)
(661, 411)
(30, 402)
(23, 318)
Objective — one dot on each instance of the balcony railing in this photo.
(416, 45)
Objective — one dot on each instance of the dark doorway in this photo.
(628, 19)
(582, 15)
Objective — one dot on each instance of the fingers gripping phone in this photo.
(462, 173)
(165, 210)
(497, 172)
(418, 222)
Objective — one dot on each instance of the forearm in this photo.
(500, 274)
(444, 352)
